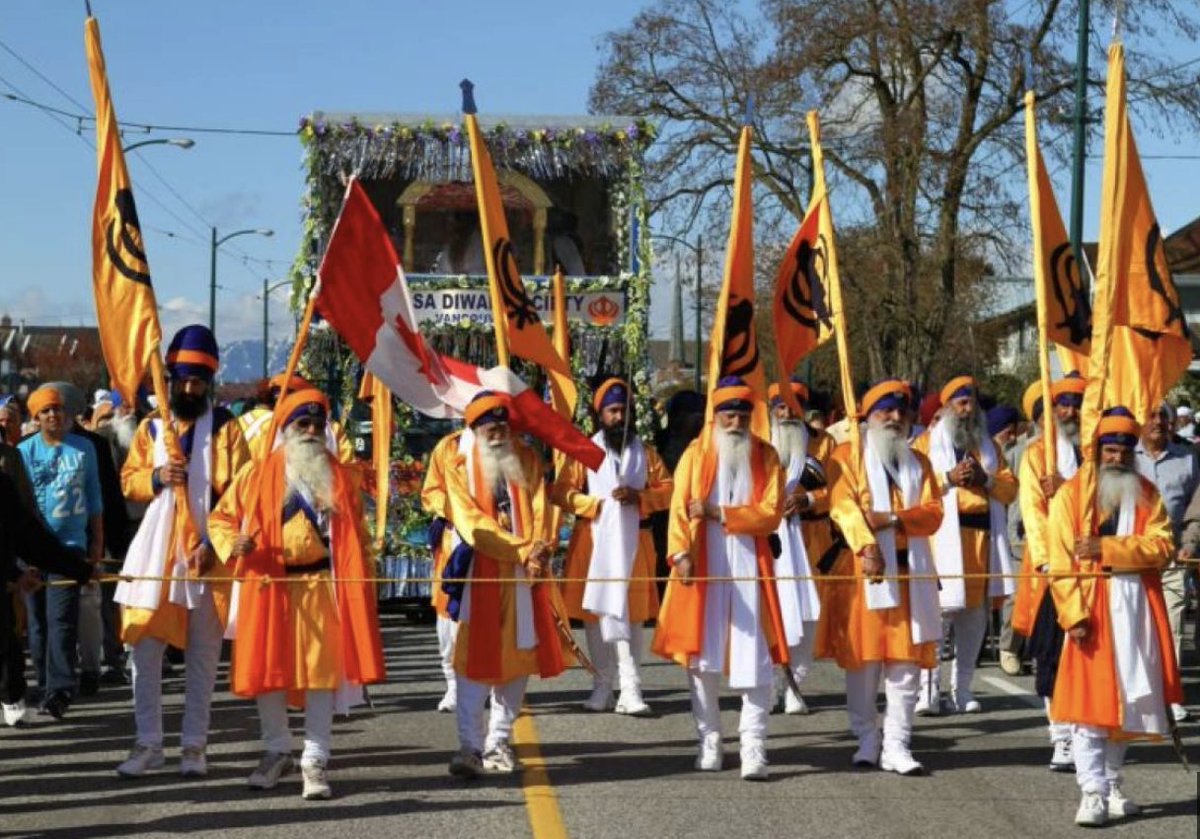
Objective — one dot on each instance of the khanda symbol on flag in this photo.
(803, 295)
(123, 239)
(740, 354)
(1073, 309)
(518, 305)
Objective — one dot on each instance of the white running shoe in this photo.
(710, 757)
(271, 767)
(793, 703)
(1093, 811)
(16, 714)
(501, 759)
(900, 762)
(754, 762)
(1063, 760)
(316, 784)
(192, 762)
(449, 701)
(966, 703)
(631, 703)
(1179, 712)
(928, 706)
(1119, 806)
(140, 761)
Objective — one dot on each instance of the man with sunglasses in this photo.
(62, 468)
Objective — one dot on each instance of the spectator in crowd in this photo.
(1174, 471)
(1185, 425)
(66, 483)
(1003, 423)
(10, 419)
(25, 535)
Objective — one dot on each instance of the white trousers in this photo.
(617, 662)
(1098, 760)
(204, 636)
(800, 657)
(900, 683)
(91, 629)
(318, 724)
(447, 631)
(506, 704)
(970, 627)
(1059, 731)
(706, 709)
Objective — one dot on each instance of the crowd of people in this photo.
(884, 543)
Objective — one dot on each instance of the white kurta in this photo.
(798, 599)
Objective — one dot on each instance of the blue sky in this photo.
(263, 64)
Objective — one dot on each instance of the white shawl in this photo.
(151, 548)
(926, 621)
(947, 542)
(798, 599)
(614, 537)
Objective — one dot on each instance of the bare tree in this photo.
(920, 102)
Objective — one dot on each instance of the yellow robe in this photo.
(848, 631)
(508, 550)
(229, 454)
(568, 493)
(436, 501)
(974, 501)
(1035, 507)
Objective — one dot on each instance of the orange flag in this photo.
(126, 311)
(518, 325)
(733, 344)
(1141, 344)
(562, 342)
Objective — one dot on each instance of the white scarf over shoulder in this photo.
(798, 599)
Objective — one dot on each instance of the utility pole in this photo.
(1080, 153)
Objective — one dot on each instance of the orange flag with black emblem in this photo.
(126, 311)
(518, 325)
(733, 344)
(1141, 344)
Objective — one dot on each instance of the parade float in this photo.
(573, 195)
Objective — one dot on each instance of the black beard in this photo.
(615, 437)
(187, 407)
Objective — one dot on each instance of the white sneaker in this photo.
(449, 701)
(1063, 760)
(316, 785)
(867, 754)
(500, 759)
(192, 762)
(710, 757)
(928, 706)
(900, 762)
(754, 762)
(466, 764)
(794, 703)
(1179, 712)
(631, 703)
(966, 703)
(1093, 811)
(141, 760)
(1010, 663)
(600, 700)
(16, 714)
(271, 767)
(1119, 806)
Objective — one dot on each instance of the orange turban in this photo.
(308, 402)
(953, 388)
(43, 398)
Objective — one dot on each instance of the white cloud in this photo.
(37, 307)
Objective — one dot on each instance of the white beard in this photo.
(733, 455)
(967, 435)
(888, 444)
(500, 461)
(123, 429)
(1070, 432)
(1115, 486)
(788, 440)
(307, 468)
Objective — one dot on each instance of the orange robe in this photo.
(815, 522)
(568, 492)
(849, 632)
(486, 647)
(1087, 691)
(436, 501)
(680, 632)
(974, 501)
(168, 622)
(310, 631)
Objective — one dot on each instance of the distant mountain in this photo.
(241, 361)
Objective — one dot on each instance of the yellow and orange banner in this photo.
(126, 311)
(382, 426)
(733, 345)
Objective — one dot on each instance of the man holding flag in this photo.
(611, 540)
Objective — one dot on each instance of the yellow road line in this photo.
(545, 819)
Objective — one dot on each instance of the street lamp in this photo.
(697, 251)
(181, 142)
(266, 292)
(212, 276)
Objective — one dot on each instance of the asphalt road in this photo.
(608, 776)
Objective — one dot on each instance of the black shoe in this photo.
(89, 684)
(115, 677)
(56, 705)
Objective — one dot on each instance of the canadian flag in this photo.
(364, 296)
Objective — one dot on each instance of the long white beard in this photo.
(967, 435)
(1069, 431)
(307, 468)
(888, 444)
(1115, 486)
(733, 455)
(788, 439)
(123, 429)
(500, 461)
